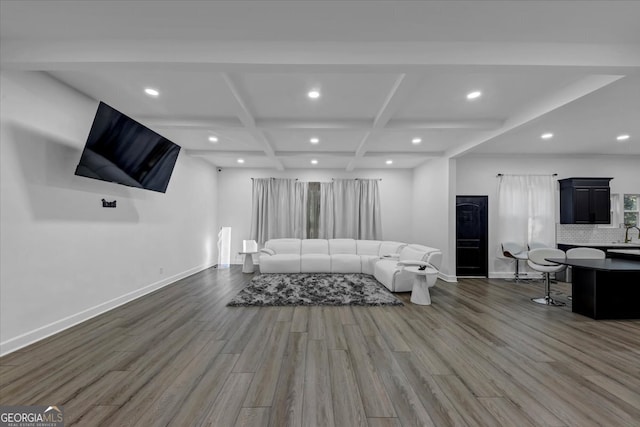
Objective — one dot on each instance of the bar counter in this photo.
(605, 288)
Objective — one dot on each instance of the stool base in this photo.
(547, 301)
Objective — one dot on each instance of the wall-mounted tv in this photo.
(121, 150)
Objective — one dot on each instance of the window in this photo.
(631, 209)
(313, 210)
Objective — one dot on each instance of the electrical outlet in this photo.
(161, 270)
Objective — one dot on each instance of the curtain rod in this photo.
(271, 178)
(376, 179)
(506, 174)
(332, 179)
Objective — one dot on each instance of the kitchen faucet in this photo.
(627, 239)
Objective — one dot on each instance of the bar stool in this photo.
(516, 252)
(536, 245)
(537, 261)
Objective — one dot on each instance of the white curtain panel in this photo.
(541, 227)
(526, 209)
(513, 209)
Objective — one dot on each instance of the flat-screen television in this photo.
(121, 150)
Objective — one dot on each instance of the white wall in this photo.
(234, 192)
(477, 176)
(434, 186)
(63, 257)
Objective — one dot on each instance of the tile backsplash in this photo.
(588, 234)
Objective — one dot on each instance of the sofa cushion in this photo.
(345, 263)
(314, 246)
(390, 248)
(368, 247)
(368, 263)
(390, 275)
(280, 263)
(284, 246)
(415, 252)
(384, 270)
(315, 263)
(342, 246)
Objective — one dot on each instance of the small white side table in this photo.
(247, 266)
(422, 281)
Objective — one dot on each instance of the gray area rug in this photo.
(314, 289)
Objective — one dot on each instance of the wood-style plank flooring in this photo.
(481, 355)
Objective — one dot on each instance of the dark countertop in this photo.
(617, 245)
(624, 253)
(608, 264)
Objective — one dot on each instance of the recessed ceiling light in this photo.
(622, 137)
(213, 139)
(416, 140)
(474, 95)
(314, 140)
(151, 91)
(389, 162)
(547, 135)
(240, 160)
(314, 162)
(313, 94)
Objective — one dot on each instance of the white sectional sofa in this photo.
(385, 260)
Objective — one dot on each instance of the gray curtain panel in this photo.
(279, 209)
(356, 209)
(370, 225)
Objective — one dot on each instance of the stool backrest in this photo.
(586, 253)
(536, 245)
(537, 256)
(510, 248)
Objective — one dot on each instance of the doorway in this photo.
(472, 238)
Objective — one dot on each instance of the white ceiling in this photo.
(388, 72)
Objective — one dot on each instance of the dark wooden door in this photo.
(471, 236)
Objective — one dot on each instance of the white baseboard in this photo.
(52, 328)
(448, 277)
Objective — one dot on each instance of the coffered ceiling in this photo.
(388, 73)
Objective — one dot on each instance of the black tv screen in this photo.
(121, 150)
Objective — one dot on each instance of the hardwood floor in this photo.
(481, 355)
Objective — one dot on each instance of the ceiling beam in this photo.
(319, 154)
(224, 153)
(539, 107)
(444, 124)
(401, 154)
(187, 123)
(402, 88)
(294, 124)
(249, 122)
(331, 124)
(320, 56)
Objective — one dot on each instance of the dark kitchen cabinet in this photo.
(585, 201)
